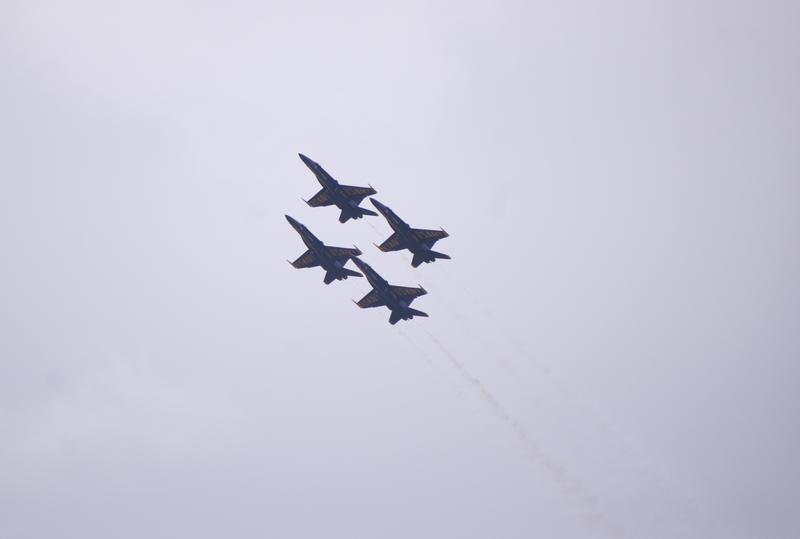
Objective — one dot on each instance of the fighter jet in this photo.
(332, 259)
(417, 240)
(396, 298)
(345, 197)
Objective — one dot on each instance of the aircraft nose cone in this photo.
(357, 261)
(292, 221)
(376, 203)
(305, 159)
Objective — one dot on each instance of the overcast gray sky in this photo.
(611, 352)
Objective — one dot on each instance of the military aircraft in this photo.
(332, 259)
(345, 197)
(417, 240)
(396, 298)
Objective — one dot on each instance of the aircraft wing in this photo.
(408, 292)
(372, 299)
(428, 236)
(320, 199)
(393, 243)
(341, 252)
(306, 260)
(358, 193)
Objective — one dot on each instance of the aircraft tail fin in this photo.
(351, 273)
(415, 312)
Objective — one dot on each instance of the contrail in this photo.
(571, 487)
(377, 232)
(414, 345)
(646, 468)
(426, 357)
(468, 330)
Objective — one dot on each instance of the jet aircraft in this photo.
(346, 197)
(396, 298)
(332, 259)
(417, 240)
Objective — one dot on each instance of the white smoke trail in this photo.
(468, 330)
(378, 233)
(573, 488)
(414, 345)
(645, 467)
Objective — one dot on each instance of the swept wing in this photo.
(306, 260)
(408, 292)
(373, 299)
(320, 199)
(393, 243)
(428, 236)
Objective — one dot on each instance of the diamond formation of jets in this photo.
(397, 298)
(417, 240)
(332, 259)
(346, 197)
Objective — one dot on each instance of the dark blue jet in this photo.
(345, 197)
(332, 259)
(417, 240)
(396, 298)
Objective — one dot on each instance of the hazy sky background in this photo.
(612, 351)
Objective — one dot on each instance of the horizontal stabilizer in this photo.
(341, 273)
(397, 315)
(354, 213)
(427, 256)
